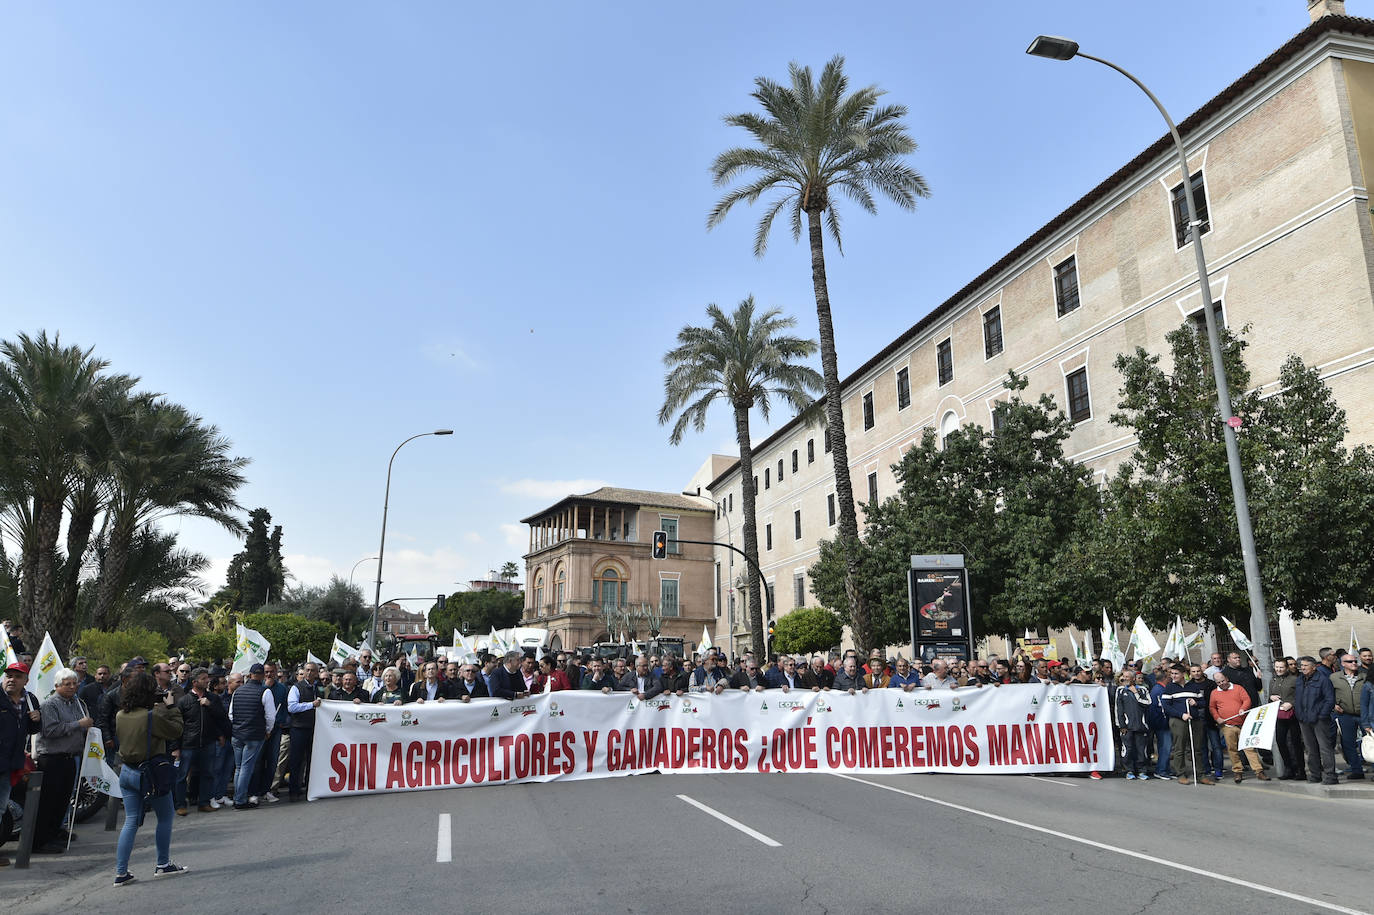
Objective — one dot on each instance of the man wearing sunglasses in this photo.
(1347, 683)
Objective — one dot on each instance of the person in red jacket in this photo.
(551, 678)
(1228, 705)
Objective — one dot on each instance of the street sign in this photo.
(1234, 422)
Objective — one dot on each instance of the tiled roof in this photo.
(618, 496)
(1351, 25)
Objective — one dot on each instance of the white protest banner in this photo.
(95, 771)
(46, 664)
(1258, 728)
(340, 652)
(250, 648)
(571, 734)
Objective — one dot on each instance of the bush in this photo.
(807, 629)
(211, 647)
(114, 648)
(291, 635)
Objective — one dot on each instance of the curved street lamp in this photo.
(381, 550)
(355, 568)
(1056, 48)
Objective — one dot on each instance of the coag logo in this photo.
(791, 705)
(1060, 699)
(660, 705)
(47, 664)
(524, 711)
(371, 717)
(927, 704)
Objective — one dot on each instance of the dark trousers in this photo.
(1348, 727)
(59, 777)
(1321, 750)
(199, 765)
(1189, 758)
(1288, 736)
(1135, 754)
(302, 740)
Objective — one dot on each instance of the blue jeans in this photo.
(1348, 726)
(246, 754)
(1164, 745)
(130, 785)
(4, 791)
(1216, 748)
(223, 769)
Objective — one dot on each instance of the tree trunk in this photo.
(839, 448)
(751, 529)
(112, 570)
(28, 566)
(48, 524)
(84, 507)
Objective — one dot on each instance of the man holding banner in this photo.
(1228, 705)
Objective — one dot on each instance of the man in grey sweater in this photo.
(59, 744)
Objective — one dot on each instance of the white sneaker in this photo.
(252, 798)
(270, 798)
(215, 804)
(224, 800)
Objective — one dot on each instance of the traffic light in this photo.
(660, 544)
(443, 599)
(770, 630)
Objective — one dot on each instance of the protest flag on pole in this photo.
(45, 667)
(310, 656)
(1243, 643)
(249, 648)
(340, 652)
(10, 656)
(1145, 642)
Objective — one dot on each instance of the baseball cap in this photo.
(137, 662)
(257, 669)
(18, 668)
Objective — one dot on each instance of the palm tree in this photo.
(161, 460)
(743, 359)
(813, 140)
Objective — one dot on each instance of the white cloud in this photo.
(550, 489)
(473, 537)
(517, 536)
(309, 570)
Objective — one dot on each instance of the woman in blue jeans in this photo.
(144, 724)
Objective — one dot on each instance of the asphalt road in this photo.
(821, 843)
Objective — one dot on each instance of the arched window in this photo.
(948, 424)
(560, 591)
(610, 589)
(539, 594)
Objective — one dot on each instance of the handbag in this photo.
(1367, 748)
(156, 773)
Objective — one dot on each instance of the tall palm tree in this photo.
(813, 140)
(745, 360)
(161, 460)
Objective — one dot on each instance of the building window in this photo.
(830, 509)
(903, 389)
(730, 499)
(944, 362)
(766, 484)
(779, 470)
(560, 591)
(948, 425)
(799, 590)
(1079, 407)
(1200, 320)
(756, 483)
(810, 451)
(669, 527)
(768, 536)
(868, 410)
(667, 597)
(827, 439)
(992, 331)
(999, 417)
(873, 487)
(1066, 287)
(772, 596)
(539, 594)
(796, 462)
(610, 591)
(1180, 207)
(796, 524)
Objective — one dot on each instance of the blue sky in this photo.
(325, 227)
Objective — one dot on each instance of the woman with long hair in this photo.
(144, 723)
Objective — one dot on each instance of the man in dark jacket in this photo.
(19, 717)
(91, 692)
(1184, 703)
(646, 685)
(467, 685)
(1283, 689)
(301, 703)
(1313, 701)
(506, 681)
(252, 712)
(599, 677)
(1346, 685)
(1132, 706)
(203, 722)
(673, 680)
(350, 691)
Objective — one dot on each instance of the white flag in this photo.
(366, 643)
(1258, 728)
(310, 656)
(12, 658)
(1354, 642)
(340, 652)
(1145, 643)
(1079, 656)
(250, 648)
(1193, 641)
(95, 771)
(1111, 645)
(705, 644)
(1088, 648)
(43, 675)
(1243, 643)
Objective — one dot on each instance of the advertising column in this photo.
(937, 592)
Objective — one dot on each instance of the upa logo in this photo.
(687, 707)
(822, 706)
(408, 720)
(524, 711)
(1087, 703)
(791, 705)
(337, 722)
(956, 705)
(370, 717)
(555, 711)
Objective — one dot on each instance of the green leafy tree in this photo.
(292, 635)
(510, 571)
(255, 571)
(815, 141)
(481, 611)
(807, 629)
(1010, 501)
(1169, 543)
(745, 360)
(212, 647)
(114, 648)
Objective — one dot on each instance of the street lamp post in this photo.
(355, 568)
(1056, 48)
(381, 550)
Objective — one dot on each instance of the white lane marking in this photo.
(752, 833)
(1120, 851)
(444, 850)
(1053, 781)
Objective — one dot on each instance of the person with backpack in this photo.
(144, 726)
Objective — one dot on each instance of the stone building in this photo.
(1280, 162)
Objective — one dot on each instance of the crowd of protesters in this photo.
(241, 740)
